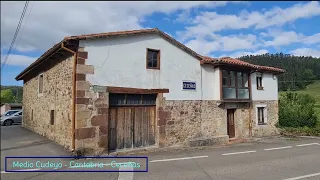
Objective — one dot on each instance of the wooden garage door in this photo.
(131, 121)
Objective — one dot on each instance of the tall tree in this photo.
(300, 70)
(7, 96)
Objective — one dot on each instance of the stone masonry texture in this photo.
(182, 122)
(272, 119)
(91, 123)
(57, 96)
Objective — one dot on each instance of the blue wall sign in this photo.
(189, 85)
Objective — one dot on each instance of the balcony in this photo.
(235, 86)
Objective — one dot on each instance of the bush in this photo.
(300, 131)
(297, 110)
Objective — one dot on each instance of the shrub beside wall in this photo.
(297, 115)
(297, 110)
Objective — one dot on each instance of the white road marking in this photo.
(301, 145)
(305, 176)
(244, 152)
(285, 147)
(125, 175)
(177, 159)
(4, 172)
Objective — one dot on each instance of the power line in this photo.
(16, 33)
(23, 25)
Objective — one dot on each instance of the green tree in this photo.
(7, 96)
(300, 70)
(297, 110)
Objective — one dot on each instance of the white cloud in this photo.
(312, 39)
(306, 52)
(19, 60)
(202, 46)
(213, 43)
(210, 22)
(239, 54)
(49, 22)
(283, 38)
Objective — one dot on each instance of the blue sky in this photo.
(211, 28)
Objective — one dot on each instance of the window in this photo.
(52, 117)
(32, 115)
(40, 87)
(261, 115)
(132, 99)
(10, 113)
(259, 81)
(235, 85)
(153, 59)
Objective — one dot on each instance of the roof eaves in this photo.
(39, 60)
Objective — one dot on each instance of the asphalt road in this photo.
(267, 159)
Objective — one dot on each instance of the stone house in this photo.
(131, 89)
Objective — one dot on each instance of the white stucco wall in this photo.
(270, 85)
(208, 82)
(121, 61)
(216, 84)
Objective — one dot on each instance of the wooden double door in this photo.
(131, 127)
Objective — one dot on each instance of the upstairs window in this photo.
(259, 81)
(40, 84)
(235, 85)
(153, 59)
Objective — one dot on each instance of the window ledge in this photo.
(260, 88)
(154, 68)
(236, 100)
(264, 124)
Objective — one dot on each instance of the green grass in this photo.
(313, 90)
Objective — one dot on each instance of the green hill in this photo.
(314, 90)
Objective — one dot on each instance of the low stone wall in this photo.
(182, 123)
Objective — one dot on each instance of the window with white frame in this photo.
(261, 112)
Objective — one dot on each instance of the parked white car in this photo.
(10, 117)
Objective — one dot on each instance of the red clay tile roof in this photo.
(237, 62)
(203, 59)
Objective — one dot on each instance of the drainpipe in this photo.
(73, 94)
(250, 104)
(250, 119)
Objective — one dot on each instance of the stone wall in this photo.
(272, 119)
(182, 121)
(4, 108)
(91, 119)
(57, 96)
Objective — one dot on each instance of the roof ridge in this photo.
(112, 32)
